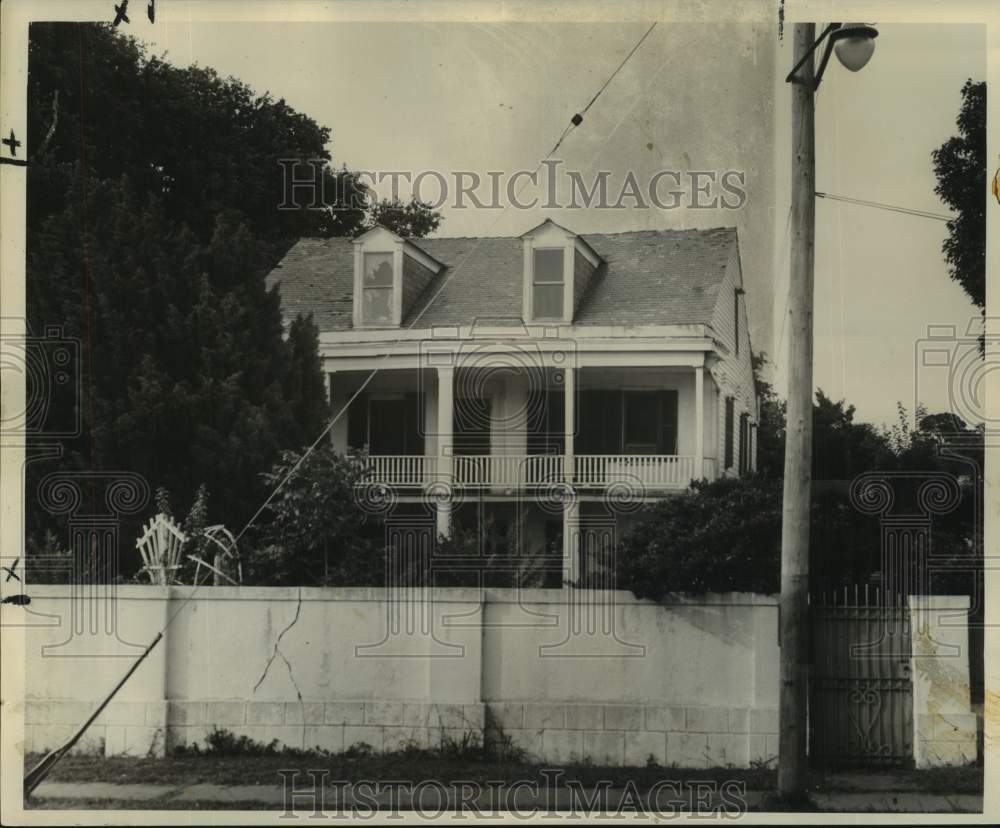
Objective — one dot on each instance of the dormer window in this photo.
(390, 273)
(558, 269)
(377, 289)
(548, 283)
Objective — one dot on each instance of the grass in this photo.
(231, 760)
(208, 768)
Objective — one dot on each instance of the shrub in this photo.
(314, 530)
(719, 536)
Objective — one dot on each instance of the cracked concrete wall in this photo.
(565, 673)
(944, 726)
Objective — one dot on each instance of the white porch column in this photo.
(445, 438)
(328, 387)
(571, 541)
(699, 422)
(569, 416)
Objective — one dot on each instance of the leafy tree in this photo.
(842, 448)
(304, 380)
(960, 167)
(157, 204)
(316, 531)
(187, 374)
(202, 143)
(771, 428)
(725, 535)
(413, 218)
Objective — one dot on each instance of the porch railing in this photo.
(658, 471)
(517, 471)
(400, 469)
(508, 470)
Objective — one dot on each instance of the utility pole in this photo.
(794, 618)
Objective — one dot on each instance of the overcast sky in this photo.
(880, 276)
(484, 97)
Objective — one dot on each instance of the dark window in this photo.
(729, 433)
(599, 418)
(744, 443)
(668, 423)
(546, 422)
(472, 426)
(386, 425)
(736, 318)
(642, 425)
(357, 422)
(547, 284)
(627, 422)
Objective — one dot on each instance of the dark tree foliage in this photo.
(771, 428)
(960, 167)
(202, 143)
(725, 534)
(405, 219)
(315, 531)
(153, 218)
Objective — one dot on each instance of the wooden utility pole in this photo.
(794, 621)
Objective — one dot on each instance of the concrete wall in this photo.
(566, 674)
(606, 677)
(944, 725)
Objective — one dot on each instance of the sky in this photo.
(486, 97)
(880, 277)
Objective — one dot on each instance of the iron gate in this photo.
(861, 694)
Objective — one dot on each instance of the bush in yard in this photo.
(314, 531)
(719, 536)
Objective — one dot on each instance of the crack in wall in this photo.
(288, 665)
(277, 651)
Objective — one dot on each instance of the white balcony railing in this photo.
(508, 470)
(515, 471)
(654, 471)
(400, 469)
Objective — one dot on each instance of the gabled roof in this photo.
(649, 277)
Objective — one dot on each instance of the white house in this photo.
(553, 379)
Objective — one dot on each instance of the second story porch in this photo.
(506, 428)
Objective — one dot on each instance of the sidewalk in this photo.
(173, 797)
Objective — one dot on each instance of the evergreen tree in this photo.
(156, 206)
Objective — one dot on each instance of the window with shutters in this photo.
(730, 402)
(472, 426)
(744, 443)
(386, 423)
(546, 422)
(736, 318)
(627, 422)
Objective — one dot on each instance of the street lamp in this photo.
(854, 44)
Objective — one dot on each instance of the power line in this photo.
(577, 119)
(894, 208)
(620, 65)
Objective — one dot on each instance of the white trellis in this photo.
(227, 551)
(160, 546)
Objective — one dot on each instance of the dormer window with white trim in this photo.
(390, 273)
(378, 286)
(548, 283)
(558, 269)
